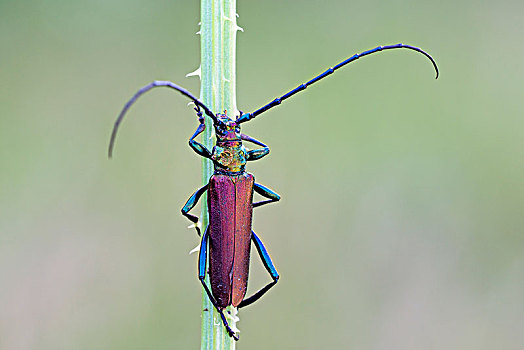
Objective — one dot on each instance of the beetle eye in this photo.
(237, 129)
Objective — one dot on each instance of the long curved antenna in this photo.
(248, 116)
(145, 89)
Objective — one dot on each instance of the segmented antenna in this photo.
(156, 83)
(248, 116)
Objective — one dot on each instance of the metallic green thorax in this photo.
(229, 155)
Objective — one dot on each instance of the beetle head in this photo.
(226, 129)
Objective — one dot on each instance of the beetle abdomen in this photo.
(230, 205)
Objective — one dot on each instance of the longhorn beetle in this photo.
(230, 194)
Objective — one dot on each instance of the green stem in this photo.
(218, 85)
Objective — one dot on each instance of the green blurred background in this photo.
(402, 213)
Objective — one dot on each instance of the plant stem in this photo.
(218, 91)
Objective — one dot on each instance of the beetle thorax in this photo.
(229, 156)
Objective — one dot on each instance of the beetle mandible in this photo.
(230, 194)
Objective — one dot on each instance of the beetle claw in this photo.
(200, 115)
(232, 334)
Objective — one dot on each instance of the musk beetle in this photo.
(228, 237)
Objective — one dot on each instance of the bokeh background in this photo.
(402, 213)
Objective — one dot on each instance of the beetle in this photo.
(227, 239)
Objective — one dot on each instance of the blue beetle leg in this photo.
(265, 192)
(190, 204)
(256, 153)
(268, 264)
(202, 259)
(199, 148)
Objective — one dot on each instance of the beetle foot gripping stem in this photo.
(202, 258)
(190, 204)
(230, 331)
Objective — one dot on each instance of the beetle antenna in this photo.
(142, 91)
(246, 117)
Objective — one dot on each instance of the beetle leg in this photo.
(268, 264)
(202, 258)
(265, 192)
(199, 148)
(256, 153)
(190, 204)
